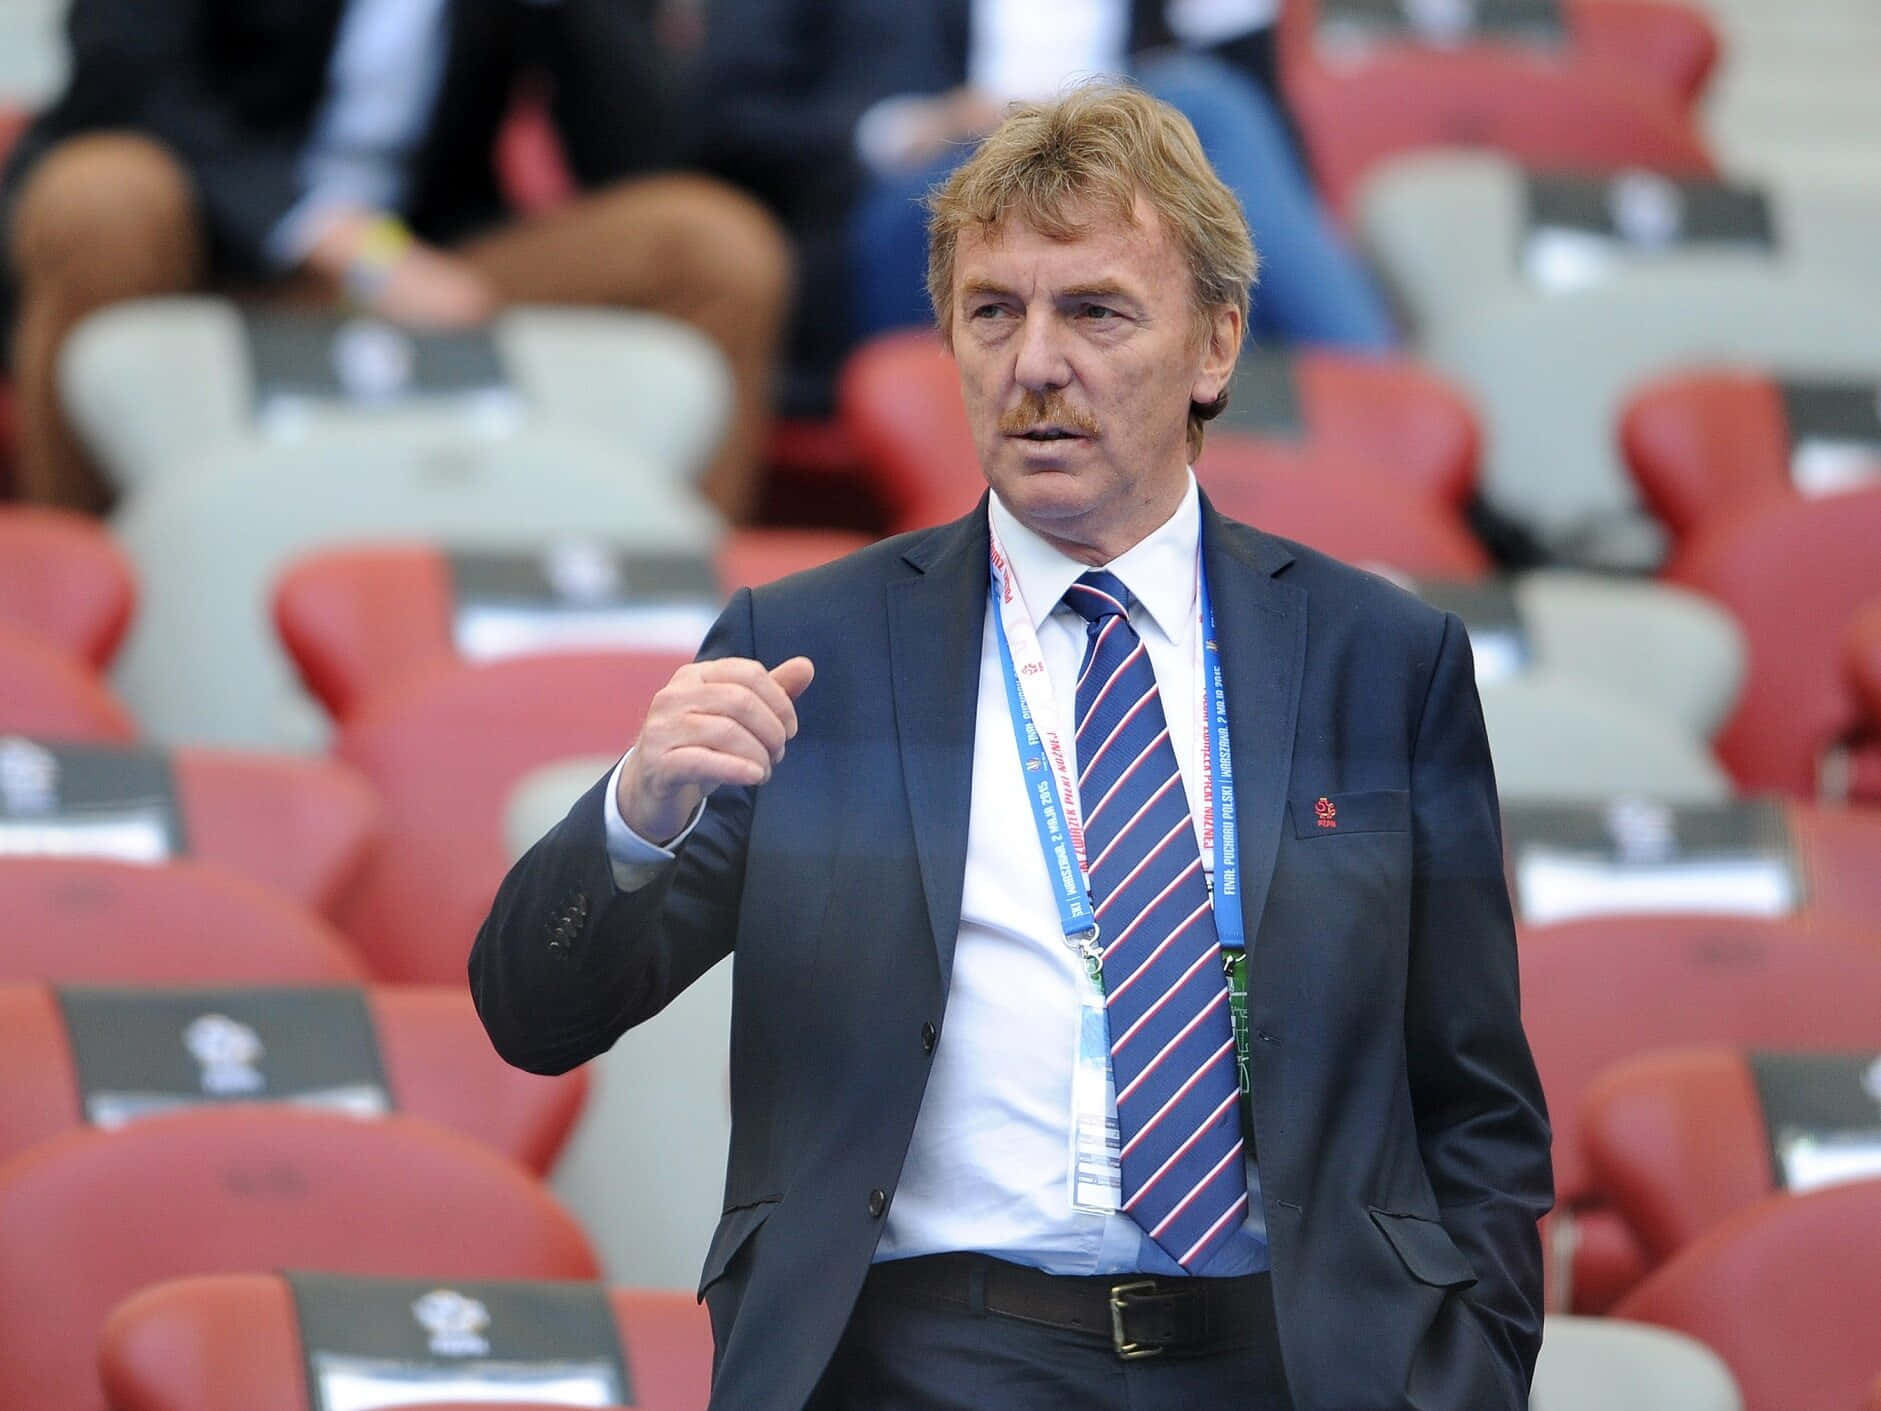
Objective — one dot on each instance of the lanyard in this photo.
(1051, 778)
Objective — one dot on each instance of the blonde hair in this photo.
(1056, 166)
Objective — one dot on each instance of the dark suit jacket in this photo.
(233, 86)
(1399, 1124)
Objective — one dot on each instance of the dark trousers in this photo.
(903, 1352)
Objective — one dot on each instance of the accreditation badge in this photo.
(1234, 969)
(1096, 1172)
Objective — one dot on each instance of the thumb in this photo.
(793, 675)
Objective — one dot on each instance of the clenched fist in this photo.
(716, 722)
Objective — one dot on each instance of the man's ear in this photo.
(1221, 349)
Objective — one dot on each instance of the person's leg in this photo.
(888, 247)
(99, 219)
(685, 246)
(1312, 289)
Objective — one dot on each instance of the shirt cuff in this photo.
(634, 861)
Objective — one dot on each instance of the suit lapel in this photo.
(1261, 625)
(935, 622)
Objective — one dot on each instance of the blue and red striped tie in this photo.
(1171, 1038)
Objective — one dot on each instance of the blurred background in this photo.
(394, 390)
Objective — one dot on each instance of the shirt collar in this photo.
(1159, 569)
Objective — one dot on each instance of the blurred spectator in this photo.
(342, 150)
(842, 113)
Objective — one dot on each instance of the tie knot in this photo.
(1097, 595)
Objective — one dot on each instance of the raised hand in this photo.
(716, 722)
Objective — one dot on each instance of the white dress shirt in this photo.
(988, 1167)
(382, 80)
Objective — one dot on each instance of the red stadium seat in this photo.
(1671, 47)
(355, 621)
(1793, 572)
(1547, 115)
(88, 921)
(438, 1065)
(13, 121)
(302, 826)
(1599, 990)
(1375, 424)
(443, 751)
(1862, 660)
(1677, 1141)
(1839, 852)
(53, 694)
(96, 1215)
(1352, 515)
(232, 1342)
(65, 579)
(1698, 443)
(1784, 1292)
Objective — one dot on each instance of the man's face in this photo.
(1078, 360)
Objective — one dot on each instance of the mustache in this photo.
(1046, 409)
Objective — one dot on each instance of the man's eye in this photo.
(1098, 312)
(985, 311)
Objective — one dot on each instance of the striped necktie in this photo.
(1171, 1039)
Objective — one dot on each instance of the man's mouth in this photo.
(1048, 433)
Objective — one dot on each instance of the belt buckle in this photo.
(1127, 1350)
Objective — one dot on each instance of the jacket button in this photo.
(878, 1203)
(929, 1036)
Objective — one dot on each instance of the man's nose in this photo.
(1041, 357)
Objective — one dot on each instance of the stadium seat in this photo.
(1756, 856)
(1673, 652)
(80, 921)
(1599, 990)
(899, 397)
(232, 1342)
(1793, 573)
(201, 664)
(1862, 659)
(1680, 1139)
(442, 752)
(1700, 442)
(1354, 515)
(52, 693)
(1671, 47)
(354, 620)
(437, 1064)
(303, 826)
(97, 1215)
(1550, 376)
(300, 826)
(65, 580)
(1783, 1292)
(1557, 739)
(1455, 231)
(165, 386)
(1611, 1364)
(1544, 114)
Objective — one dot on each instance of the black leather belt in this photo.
(1137, 1314)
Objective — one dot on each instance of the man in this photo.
(343, 149)
(990, 1147)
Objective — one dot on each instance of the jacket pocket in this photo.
(1368, 811)
(735, 1227)
(1426, 1249)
